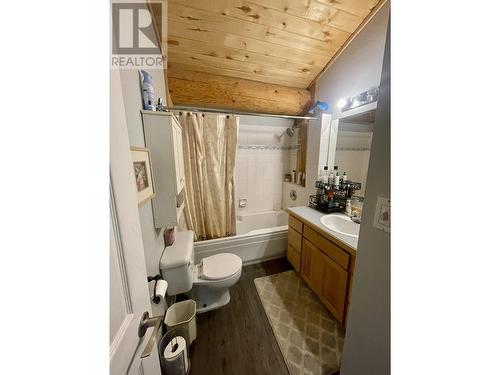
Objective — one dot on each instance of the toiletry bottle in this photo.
(348, 207)
(325, 174)
(148, 92)
(293, 177)
(330, 177)
(337, 181)
(330, 199)
(334, 173)
(344, 177)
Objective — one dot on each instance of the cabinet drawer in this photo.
(294, 258)
(327, 246)
(295, 224)
(295, 239)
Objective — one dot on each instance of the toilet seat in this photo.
(219, 266)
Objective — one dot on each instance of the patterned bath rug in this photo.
(310, 339)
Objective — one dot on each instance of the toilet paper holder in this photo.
(156, 299)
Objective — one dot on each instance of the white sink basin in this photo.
(341, 224)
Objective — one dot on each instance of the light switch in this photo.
(382, 218)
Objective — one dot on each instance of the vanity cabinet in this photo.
(294, 249)
(312, 266)
(163, 137)
(324, 265)
(333, 287)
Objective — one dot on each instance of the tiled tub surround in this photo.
(262, 160)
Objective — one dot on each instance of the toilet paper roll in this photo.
(176, 354)
(161, 289)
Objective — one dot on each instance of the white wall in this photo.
(359, 67)
(367, 344)
(131, 87)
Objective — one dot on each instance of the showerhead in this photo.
(291, 131)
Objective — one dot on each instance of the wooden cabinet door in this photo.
(312, 265)
(334, 287)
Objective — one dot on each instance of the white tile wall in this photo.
(302, 196)
(260, 172)
(259, 176)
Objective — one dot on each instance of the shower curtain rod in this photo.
(241, 113)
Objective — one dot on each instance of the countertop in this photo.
(312, 217)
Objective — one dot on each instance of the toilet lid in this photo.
(220, 266)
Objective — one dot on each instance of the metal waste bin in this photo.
(182, 315)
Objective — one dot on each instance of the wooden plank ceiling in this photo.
(281, 43)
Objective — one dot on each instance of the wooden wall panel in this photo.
(188, 31)
(255, 55)
(286, 42)
(211, 48)
(274, 33)
(209, 90)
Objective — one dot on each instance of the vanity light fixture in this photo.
(341, 103)
(368, 96)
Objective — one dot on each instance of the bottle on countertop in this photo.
(293, 177)
(348, 209)
(330, 177)
(325, 175)
(334, 173)
(344, 177)
(337, 181)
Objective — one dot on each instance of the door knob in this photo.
(144, 324)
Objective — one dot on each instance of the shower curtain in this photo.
(209, 144)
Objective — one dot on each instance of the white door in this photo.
(129, 293)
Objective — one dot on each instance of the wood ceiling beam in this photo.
(199, 89)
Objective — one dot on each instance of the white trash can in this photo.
(182, 314)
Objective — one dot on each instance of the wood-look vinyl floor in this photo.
(238, 339)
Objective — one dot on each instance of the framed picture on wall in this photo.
(143, 173)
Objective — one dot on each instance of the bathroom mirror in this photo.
(351, 138)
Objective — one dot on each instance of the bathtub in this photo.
(259, 237)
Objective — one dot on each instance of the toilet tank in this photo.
(176, 262)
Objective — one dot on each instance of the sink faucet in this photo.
(355, 217)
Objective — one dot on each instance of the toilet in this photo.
(208, 281)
